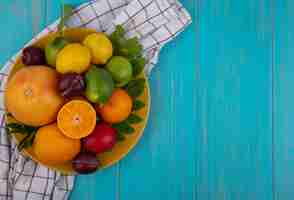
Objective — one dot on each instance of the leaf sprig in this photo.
(66, 12)
(135, 87)
(129, 48)
(138, 104)
(28, 131)
(125, 127)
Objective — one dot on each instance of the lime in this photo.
(99, 85)
(53, 48)
(121, 70)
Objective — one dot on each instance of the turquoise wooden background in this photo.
(222, 105)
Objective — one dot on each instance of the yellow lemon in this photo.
(52, 147)
(73, 58)
(100, 46)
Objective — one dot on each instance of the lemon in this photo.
(73, 58)
(100, 46)
(52, 147)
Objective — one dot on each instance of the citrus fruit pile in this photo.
(76, 100)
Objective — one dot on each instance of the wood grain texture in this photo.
(162, 166)
(235, 130)
(16, 22)
(283, 99)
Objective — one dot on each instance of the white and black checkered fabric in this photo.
(154, 22)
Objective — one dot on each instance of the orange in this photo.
(118, 107)
(32, 97)
(52, 147)
(76, 119)
(75, 98)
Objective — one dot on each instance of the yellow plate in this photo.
(121, 148)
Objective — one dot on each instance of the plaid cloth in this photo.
(154, 22)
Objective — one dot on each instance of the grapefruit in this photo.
(32, 96)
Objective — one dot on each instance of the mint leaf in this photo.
(138, 65)
(137, 105)
(123, 128)
(26, 142)
(135, 87)
(117, 39)
(120, 136)
(8, 114)
(129, 48)
(134, 119)
(20, 128)
(117, 36)
(132, 48)
(66, 12)
(28, 131)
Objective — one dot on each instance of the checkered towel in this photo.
(154, 22)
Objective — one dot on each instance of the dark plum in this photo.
(33, 56)
(85, 163)
(71, 85)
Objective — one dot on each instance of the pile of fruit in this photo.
(73, 101)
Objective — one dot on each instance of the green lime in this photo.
(53, 48)
(99, 85)
(120, 69)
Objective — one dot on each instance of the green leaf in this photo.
(22, 144)
(137, 105)
(130, 48)
(26, 142)
(66, 12)
(120, 136)
(123, 128)
(134, 119)
(117, 39)
(20, 128)
(135, 87)
(138, 65)
(8, 114)
(28, 131)
(117, 35)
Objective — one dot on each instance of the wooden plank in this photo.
(234, 97)
(162, 166)
(38, 15)
(283, 99)
(16, 18)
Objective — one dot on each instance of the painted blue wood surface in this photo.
(283, 62)
(235, 130)
(220, 123)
